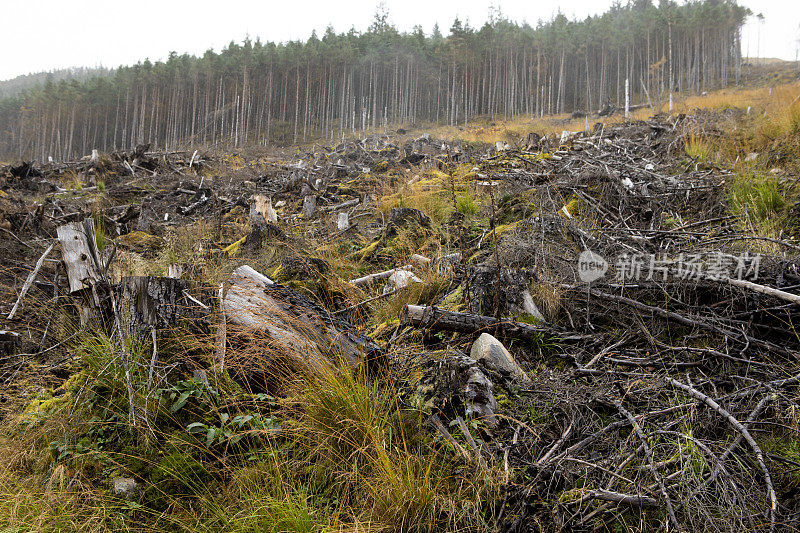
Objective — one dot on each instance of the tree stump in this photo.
(81, 257)
(456, 386)
(154, 303)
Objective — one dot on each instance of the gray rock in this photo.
(400, 279)
(126, 488)
(494, 355)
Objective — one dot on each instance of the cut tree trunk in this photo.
(438, 319)
(152, 303)
(299, 328)
(81, 257)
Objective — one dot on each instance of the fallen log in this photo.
(305, 331)
(763, 289)
(344, 205)
(625, 499)
(378, 276)
(420, 261)
(438, 319)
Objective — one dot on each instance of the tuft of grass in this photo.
(465, 205)
(755, 196)
(699, 149)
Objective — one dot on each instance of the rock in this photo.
(126, 488)
(401, 279)
(494, 355)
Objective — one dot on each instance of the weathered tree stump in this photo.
(456, 386)
(85, 269)
(150, 303)
(81, 257)
(515, 297)
(9, 342)
(262, 204)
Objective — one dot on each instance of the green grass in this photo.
(755, 196)
(338, 452)
(466, 205)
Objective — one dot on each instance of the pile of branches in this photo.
(677, 408)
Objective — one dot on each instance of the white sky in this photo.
(37, 35)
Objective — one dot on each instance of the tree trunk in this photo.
(438, 319)
(155, 303)
(298, 328)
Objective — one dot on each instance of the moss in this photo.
(233, 249)
(502, 229)
(380, 166)
(455, 300)
(527, 318)
(367, 252)
(384, 327)
(574, 207)
(140, 241)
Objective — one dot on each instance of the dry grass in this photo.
(349, 455)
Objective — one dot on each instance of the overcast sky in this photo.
(41, 35)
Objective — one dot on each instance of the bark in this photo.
(81, 257)
(155, 303)
(438, 319)
(298, 327)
